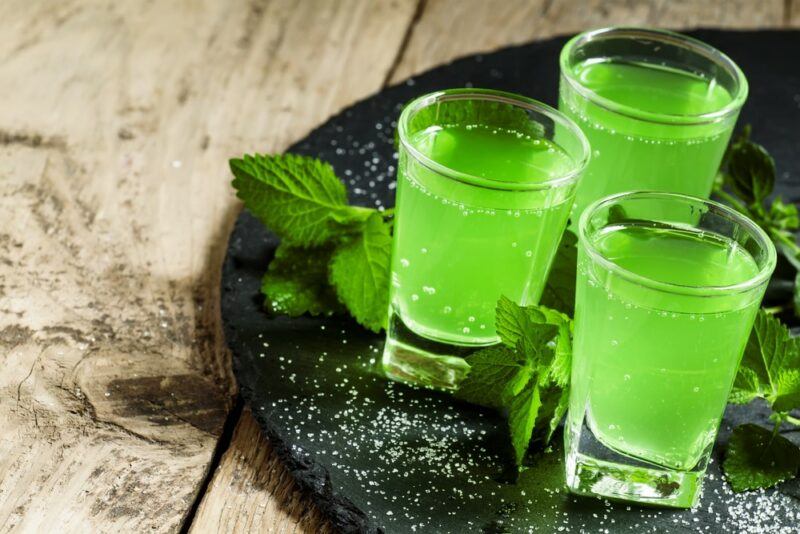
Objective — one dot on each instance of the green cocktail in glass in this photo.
(668, 288)
(658, 109)
(485, 185)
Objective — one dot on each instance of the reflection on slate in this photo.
(382, 457)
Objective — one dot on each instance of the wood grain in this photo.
(253, 492)
(792, 15)
(448, 29)
(117, 122)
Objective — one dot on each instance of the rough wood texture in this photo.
(482, 26)
(117, 122)
(253, 492)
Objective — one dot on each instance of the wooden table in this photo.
(117, 118)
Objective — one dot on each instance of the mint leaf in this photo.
(466, 112)
(359, 272)
(757, 459)
(797, 295)
(561, 365)
(522, 414)
(511, 321)
(496, 374)
(299, 198)
(559, 291)
(555, 401)
(750, 170)
(296, 282)
(746, 386)
(787, 391)
(527, 375)
(770, 367)
(514, 322)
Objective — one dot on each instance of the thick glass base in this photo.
(413, 359)
(593, 469)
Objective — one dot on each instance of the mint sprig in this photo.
(332, 255)
(527, 375)
(770, 370)
(748, 171)
(757, 458)
(770, 367)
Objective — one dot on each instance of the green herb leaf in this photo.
(299, 198)
(296, 282)
(515, 322)
(496, 374)
(797, 295)
(758, 459)
(555, 401)
(466, 112)
(770, 367)
(522, 413)
(750, 170)
(559, 291)
(359, 272)
(527, 375)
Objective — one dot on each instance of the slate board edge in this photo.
(313, 477)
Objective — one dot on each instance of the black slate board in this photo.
(382, 457)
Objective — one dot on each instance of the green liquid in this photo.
(458, 247)
(654, 369)
(633, 154)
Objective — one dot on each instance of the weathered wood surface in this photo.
(448, 29)
(116, 122)
(251, 492)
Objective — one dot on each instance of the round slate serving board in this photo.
(382, 457)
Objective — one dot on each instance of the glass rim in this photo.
(493, 95)
(762, 276)
(665, 36)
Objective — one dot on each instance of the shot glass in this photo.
(657, 107)
(485, 185)
(668, 286)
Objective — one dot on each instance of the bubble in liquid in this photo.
(471, 319)
(528, 253)
(514, 244)
(465, 330)
(627, 377)
(404, 262)
(428, 290)
(415, 297)
(447, 309)
(423, 250)
(696, 389)
(614, 342)
(483, 327)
